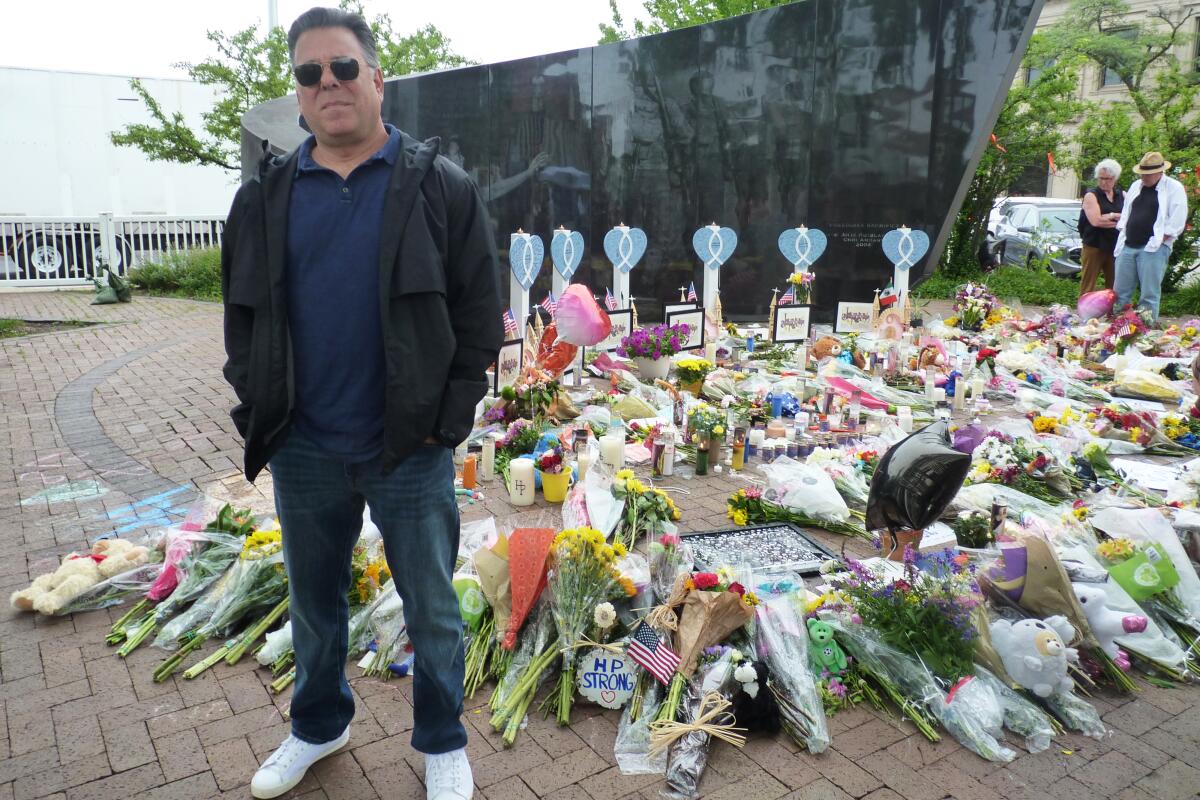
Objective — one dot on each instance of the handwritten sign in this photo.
(791, 323)
(508, 364)
(854, 317)
(605, 678)
(694, 319)
(622, 325)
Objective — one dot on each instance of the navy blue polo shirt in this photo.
(334, 228)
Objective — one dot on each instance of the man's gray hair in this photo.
(334, 18)
(1109, 165)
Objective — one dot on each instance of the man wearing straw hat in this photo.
(1154, 215)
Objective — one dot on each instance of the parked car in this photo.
(1028, 230)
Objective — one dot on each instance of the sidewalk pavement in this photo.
(120, 425)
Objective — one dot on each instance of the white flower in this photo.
(605, 616)
(751, 689)
(745, 673)
(830, 566)
(735, 655)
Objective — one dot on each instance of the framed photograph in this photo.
(855, 317)
(622, 326)
(791, 323)
(670, 308)
(694, 319)
(508, 364)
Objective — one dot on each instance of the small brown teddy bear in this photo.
(831, 347)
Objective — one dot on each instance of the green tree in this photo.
(1030, 125)
(250, 68)
(666, 15)
(1162, 110)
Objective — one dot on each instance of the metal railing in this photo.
(65, 251)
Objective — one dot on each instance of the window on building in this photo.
(1111, 78)
(1033, 73)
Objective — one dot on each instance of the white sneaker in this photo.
(288, 764)
(448, 776)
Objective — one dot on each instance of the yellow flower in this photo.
(740, 517)
(627, 586)
(1115, 549)
(1135, 433)
(1081, 513)
(624, 474)
(1045, 424)
(1190, 330)
(619, 549)
(750, 599)
(951, 322)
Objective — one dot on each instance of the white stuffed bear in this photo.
(1035, 653)
(1107, 623)
(49, 593)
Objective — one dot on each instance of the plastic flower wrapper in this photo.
(719, 384)
(1021, 716)
(582, 577)
(114, 591)
(1097, 457)
(781, 640)
(705, 713)
(199, 569)
(178, 544)
(388, 636)
(257, 581)
(752, 505)
(530, 666)
(632, 745)
(805, 487)
(971, 719)
(670, 557)
(840, 466)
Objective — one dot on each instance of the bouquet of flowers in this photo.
(842, 468)
(1124, 330)
(927, 612)
(749, 506)
(552, 460)
(973, 303)
(801, 283)
(583, 576)
(256, 580)
(206, 559)
(535, 653)
(973, 530)
(705, 423)
(782, 641)
(661, 341)
(647, 510)
(703, 610)
(1183, 431)
(1097, 459)
(1004, 459)
(521, 437)
(693, 371)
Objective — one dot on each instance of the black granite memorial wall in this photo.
(851, 116)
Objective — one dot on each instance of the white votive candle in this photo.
(612, 450)
(487, 464)
(520, 482)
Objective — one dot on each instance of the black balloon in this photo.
(916, 480)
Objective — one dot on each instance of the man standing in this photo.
(362, 309)
(1154, 214)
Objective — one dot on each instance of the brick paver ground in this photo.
(137, 406)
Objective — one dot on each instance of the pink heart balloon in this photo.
(1096, 304)
(579, 317)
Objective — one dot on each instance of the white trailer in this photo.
(69, 196)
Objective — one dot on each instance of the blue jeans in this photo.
(320, 499)
(1138, 269)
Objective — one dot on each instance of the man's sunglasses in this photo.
(344, 69)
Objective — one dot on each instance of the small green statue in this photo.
(825, 651)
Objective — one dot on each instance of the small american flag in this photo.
(510, 323)
(1126, 330)
(789, 296)
(550, 304)
(692, 292)
(610, 302)
(650, 651)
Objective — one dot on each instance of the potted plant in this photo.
(973, 531)
(692, 372)
(555, 473)
(651, 348)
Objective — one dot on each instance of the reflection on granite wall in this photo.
(853, 116)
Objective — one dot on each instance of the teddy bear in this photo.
(825, 347)
(1035, 653)
(1107, 623)
(49, 593)
(825, 651)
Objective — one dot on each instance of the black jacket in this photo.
(439, 303)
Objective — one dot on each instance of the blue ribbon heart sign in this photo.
(904, 247)
(802, 246)
(714, 245)
(625, 247)
(566, 251)
(525, 256)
